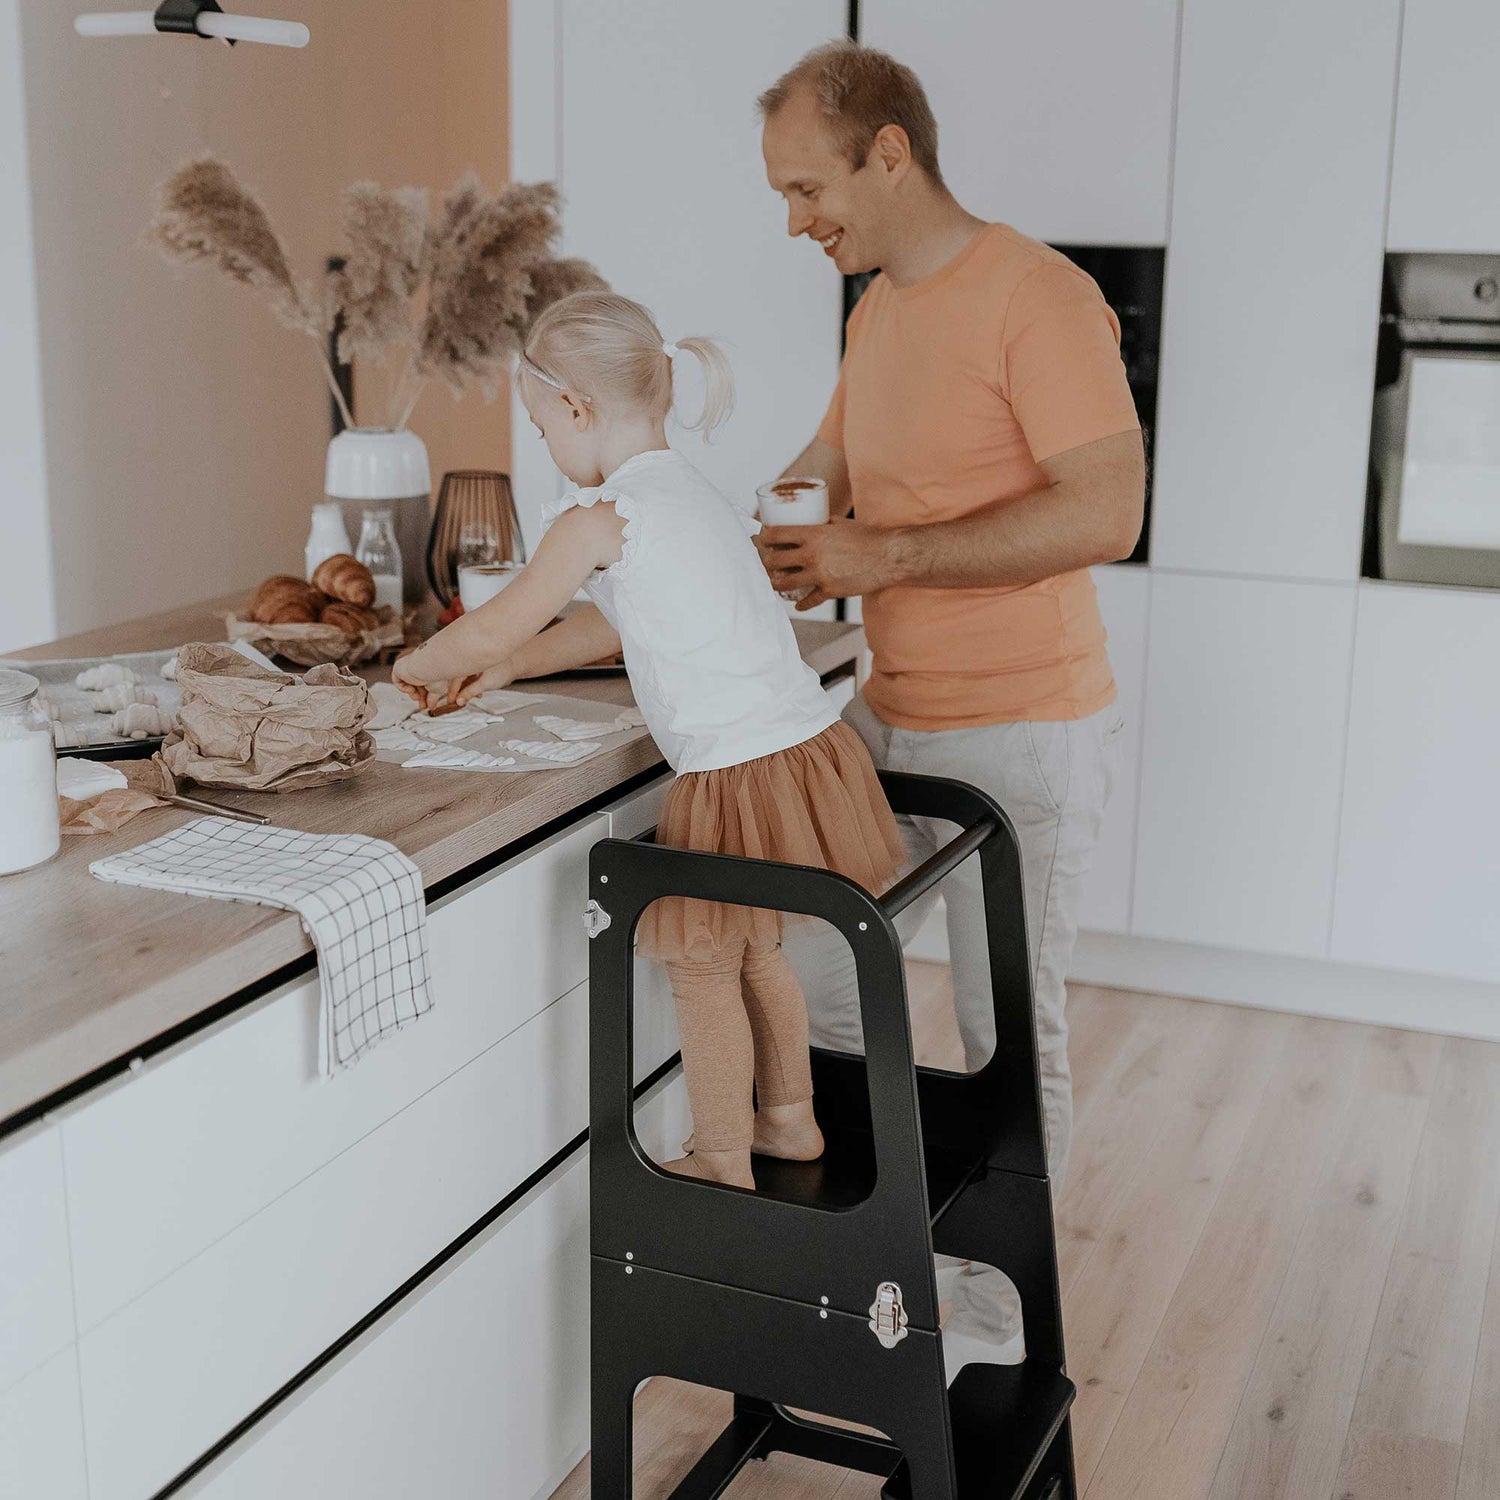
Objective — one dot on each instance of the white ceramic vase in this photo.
(379, 466)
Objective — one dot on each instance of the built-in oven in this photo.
(1433, 513)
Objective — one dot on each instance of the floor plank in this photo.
(1288, 1435)
(1114, 1312)
(1479, 1470)
(1421, 1366)
(1172, 1428)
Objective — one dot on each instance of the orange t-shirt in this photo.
(952, 391)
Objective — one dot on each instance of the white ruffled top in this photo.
(711, 654)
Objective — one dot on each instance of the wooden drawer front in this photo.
(477, 1386)
(36, 1301)
(173, 1370)
(169, 1161)
(41, 1435)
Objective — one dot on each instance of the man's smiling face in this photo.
(826, 199)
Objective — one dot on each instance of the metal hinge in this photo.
(887, 1315)
(595, 919)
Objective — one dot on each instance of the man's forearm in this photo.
(1052, 531)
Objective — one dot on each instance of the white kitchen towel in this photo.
(360, 900)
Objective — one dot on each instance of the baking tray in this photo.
(147, 664)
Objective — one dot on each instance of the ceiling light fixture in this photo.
(193, 18)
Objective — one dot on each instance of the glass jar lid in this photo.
(16, 688)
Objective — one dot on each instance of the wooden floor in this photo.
(1279, 1256)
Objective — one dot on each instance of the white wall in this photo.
(26, 604)
(184, 429)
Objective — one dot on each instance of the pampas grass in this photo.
(487, 266)
(386, 229)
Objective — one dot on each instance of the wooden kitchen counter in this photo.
(90, 973)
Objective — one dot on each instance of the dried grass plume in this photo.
(386, 231)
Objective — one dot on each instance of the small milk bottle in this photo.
(379, 551)
(327, 537)
(29, 832)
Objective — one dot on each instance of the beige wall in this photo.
(185, 429)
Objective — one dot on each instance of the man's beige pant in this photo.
(1053, 780)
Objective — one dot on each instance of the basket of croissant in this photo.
(331, 617)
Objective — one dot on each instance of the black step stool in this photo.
(818, 1291)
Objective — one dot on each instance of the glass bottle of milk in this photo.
(379, 551)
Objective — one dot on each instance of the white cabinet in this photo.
(1054, 118)
(36, 1289)
(475, 1386)
(1447, 128)
(174, 1369)
(1247, 687)
(1124, 601)
(1273, 285)
(41, 1434)
(1418, 877)
(666, 192)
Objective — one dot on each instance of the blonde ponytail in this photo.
(718, 384)
(608, 350)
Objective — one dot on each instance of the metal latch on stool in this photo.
(595, 919)
(887, 1315)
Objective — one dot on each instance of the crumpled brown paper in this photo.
(312, 645)
(105, 813)
(243, 726)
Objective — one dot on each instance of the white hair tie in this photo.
(670, 350)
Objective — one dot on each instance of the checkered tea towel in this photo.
(360, 900)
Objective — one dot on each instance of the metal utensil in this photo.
(195, 804)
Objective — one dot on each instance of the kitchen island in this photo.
(224, 1275)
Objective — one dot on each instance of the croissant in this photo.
(284, 600)
(349, 618)
(345, 578)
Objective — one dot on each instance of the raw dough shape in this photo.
(450, 757)
(106, 675)
(140, 721)
(53, 710)
(449, 728)
(580, 729)
(398, 737)
(391, 706)
(75, 734)
(169, 669)
(116, 699)
(503, 701)
(550, 750)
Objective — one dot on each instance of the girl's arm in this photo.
(582, 639)
(578, 542)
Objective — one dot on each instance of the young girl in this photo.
(764, 766)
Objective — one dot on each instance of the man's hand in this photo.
(831, 562)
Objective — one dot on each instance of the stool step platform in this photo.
(1005, 1419)
(845, 1174)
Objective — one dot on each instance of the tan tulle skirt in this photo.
(818, 804)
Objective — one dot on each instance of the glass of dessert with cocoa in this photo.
(793, 501)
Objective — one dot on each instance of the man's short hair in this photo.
(859, 91)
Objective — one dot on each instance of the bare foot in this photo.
(732, 1167)
(788, 1131)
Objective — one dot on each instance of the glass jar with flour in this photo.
(28, 776)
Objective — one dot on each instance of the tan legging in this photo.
(743, 1018)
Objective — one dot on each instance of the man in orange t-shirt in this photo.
(984, 437)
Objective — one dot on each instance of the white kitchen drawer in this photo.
(41, 1434)
(36, 1297)
(1246, 697)
(475, 1388)
(169, 1373)
(1418, 881)
(168, 1161)
(1056, 118)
